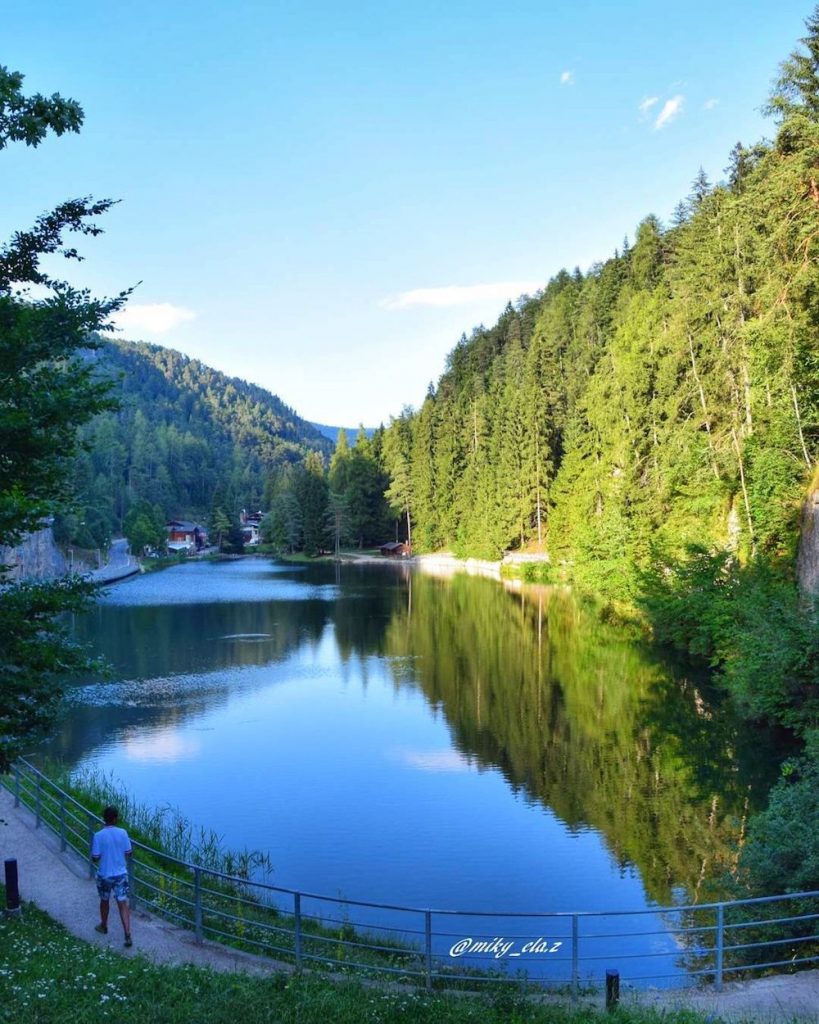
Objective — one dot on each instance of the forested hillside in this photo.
(185, 440)
(668, 396)
(652, 424)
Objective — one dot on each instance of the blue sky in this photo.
(322, 197)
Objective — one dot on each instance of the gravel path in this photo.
(58, 883)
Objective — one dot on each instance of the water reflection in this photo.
(595, 727)
(383, 708)
(160, 745)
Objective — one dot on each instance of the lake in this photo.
(392, 736)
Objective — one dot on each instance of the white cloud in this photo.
(155, 318)
(648, 103)
(671, 109)
(459, 295)
(567, 78)
(710, 104)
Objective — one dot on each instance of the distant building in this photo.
(250, 523)
(184, 535)
(395, 549)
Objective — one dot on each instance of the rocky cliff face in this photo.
(36, 558)
(807, 564)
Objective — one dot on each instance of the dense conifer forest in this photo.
(652, 424)
(665, 398)
(185, 440)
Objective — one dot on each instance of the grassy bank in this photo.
(49, 977)
(163, 828)
(155, 564)
(299, 557)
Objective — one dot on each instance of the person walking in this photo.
(109, 849)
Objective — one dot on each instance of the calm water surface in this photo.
(395, 737)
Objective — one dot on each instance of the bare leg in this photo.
(125, 916)
(104, 905)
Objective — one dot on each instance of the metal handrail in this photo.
(252, 913)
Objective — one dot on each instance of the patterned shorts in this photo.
(118, 885)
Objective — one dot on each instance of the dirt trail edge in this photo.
(58, 883)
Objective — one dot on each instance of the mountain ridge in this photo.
(186, 438)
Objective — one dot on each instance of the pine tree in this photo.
(422, 462)
(397, 456)
(313, 494)
(797, 87)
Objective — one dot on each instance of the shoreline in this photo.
(442, 563)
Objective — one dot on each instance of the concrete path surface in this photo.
(58, 883)
(779, 999)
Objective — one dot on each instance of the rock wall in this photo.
(807, 564)
(36, 558)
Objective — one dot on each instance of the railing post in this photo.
(297, 928)
(428, 946)
(16, 785)
(12, 886)
(720, 946)
(132, 896)
(612, 989)
(197, 903)
(62, 822)
(38, 798)
(90, 818)
(575, 957)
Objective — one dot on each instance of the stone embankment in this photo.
(37, 557)
(444, 564)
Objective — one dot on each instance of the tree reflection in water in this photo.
(577, 717)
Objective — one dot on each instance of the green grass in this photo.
(299, 558)
(345, 554)
(164, 828)
(164, 562)
(530, 572)
(49, 977)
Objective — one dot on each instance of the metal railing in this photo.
(445, 948)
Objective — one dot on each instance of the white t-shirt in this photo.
(111, 844)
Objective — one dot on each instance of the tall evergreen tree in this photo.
(797, 87)
(313, 494)
(397, 456)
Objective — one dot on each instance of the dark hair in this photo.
(110, 815)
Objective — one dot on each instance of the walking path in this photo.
(58, 883)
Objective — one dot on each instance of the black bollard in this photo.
(12, 889)
(612, 989)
